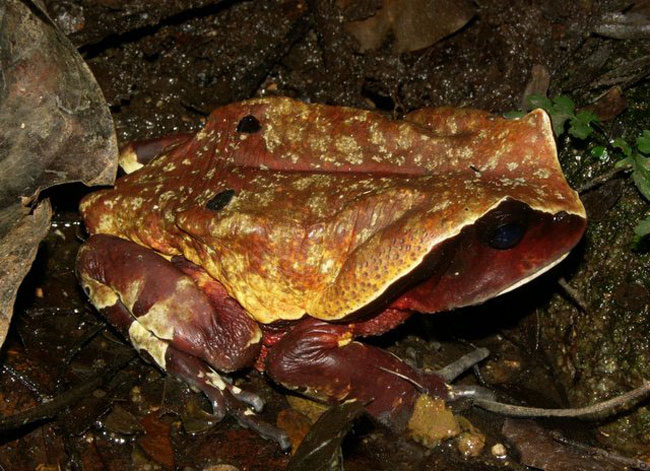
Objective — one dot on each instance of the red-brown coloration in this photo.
(475, 272)
(167, 303)
(136, 154)
(332, 205)
(284, 213)
(319, 359)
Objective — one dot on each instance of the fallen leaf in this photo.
(295, 424)
(119, 420)
(311, 409)
(540, 79)
(628, 25)
(539, 449)
(609, 105)
(20, 235)
(156, 442)
(322, 443)
(55, 127)
(415, 24)
(195, 419)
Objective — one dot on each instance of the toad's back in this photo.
(299, 208)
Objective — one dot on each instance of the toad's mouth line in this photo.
(539, 272)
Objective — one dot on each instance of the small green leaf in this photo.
(564, 104)
(620, 143)
(579, 129)
(642, 229)
(641, 232)
(643, 142)
(642, 183)
(641, 174)
(558, 121)
(586, 117)
(580, 124)
(626, 162)
(539, 101)
(600, 152)
(514, 114)
(561, 111)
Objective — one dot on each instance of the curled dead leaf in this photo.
(55, 127)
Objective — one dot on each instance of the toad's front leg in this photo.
(180, 317)
(324, 361)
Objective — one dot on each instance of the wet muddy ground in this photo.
(164, 67)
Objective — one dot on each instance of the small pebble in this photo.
(221, 467)
(499, 451)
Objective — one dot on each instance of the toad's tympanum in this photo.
(284, 231)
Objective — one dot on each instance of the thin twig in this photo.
(464, 363)
(597, 411)
(574, 295)
(25, 381)
(88, 336)
(594, 451)
(602, 178)
(49, 410)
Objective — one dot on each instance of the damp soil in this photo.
(163, 66)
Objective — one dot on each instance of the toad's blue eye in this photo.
(506, 236)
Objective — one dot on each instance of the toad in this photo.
(283, 232)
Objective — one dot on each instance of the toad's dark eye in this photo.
(249, 125)
(220, 200)
(506, 235)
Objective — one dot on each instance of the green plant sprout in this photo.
(585, 124)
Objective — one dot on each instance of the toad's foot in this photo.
(323, 361)
(224, 396)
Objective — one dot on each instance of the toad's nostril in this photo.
(220, 200)
(249, 124)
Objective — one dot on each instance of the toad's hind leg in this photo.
(164, 313)
(322, 361)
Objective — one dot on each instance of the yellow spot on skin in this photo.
(136, 203)
(405, 136)
(143, 339)
(132, 294)
(255, 339)
(345, 339)
(350, 149)
(158, 319)
(100, 295)
(201, 135)
(215, 380)
(128, 160)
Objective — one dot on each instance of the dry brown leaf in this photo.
(17, 252)
(156, 442)
(538, 449)
(55, 127)
(609, 105)
(415, 24)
